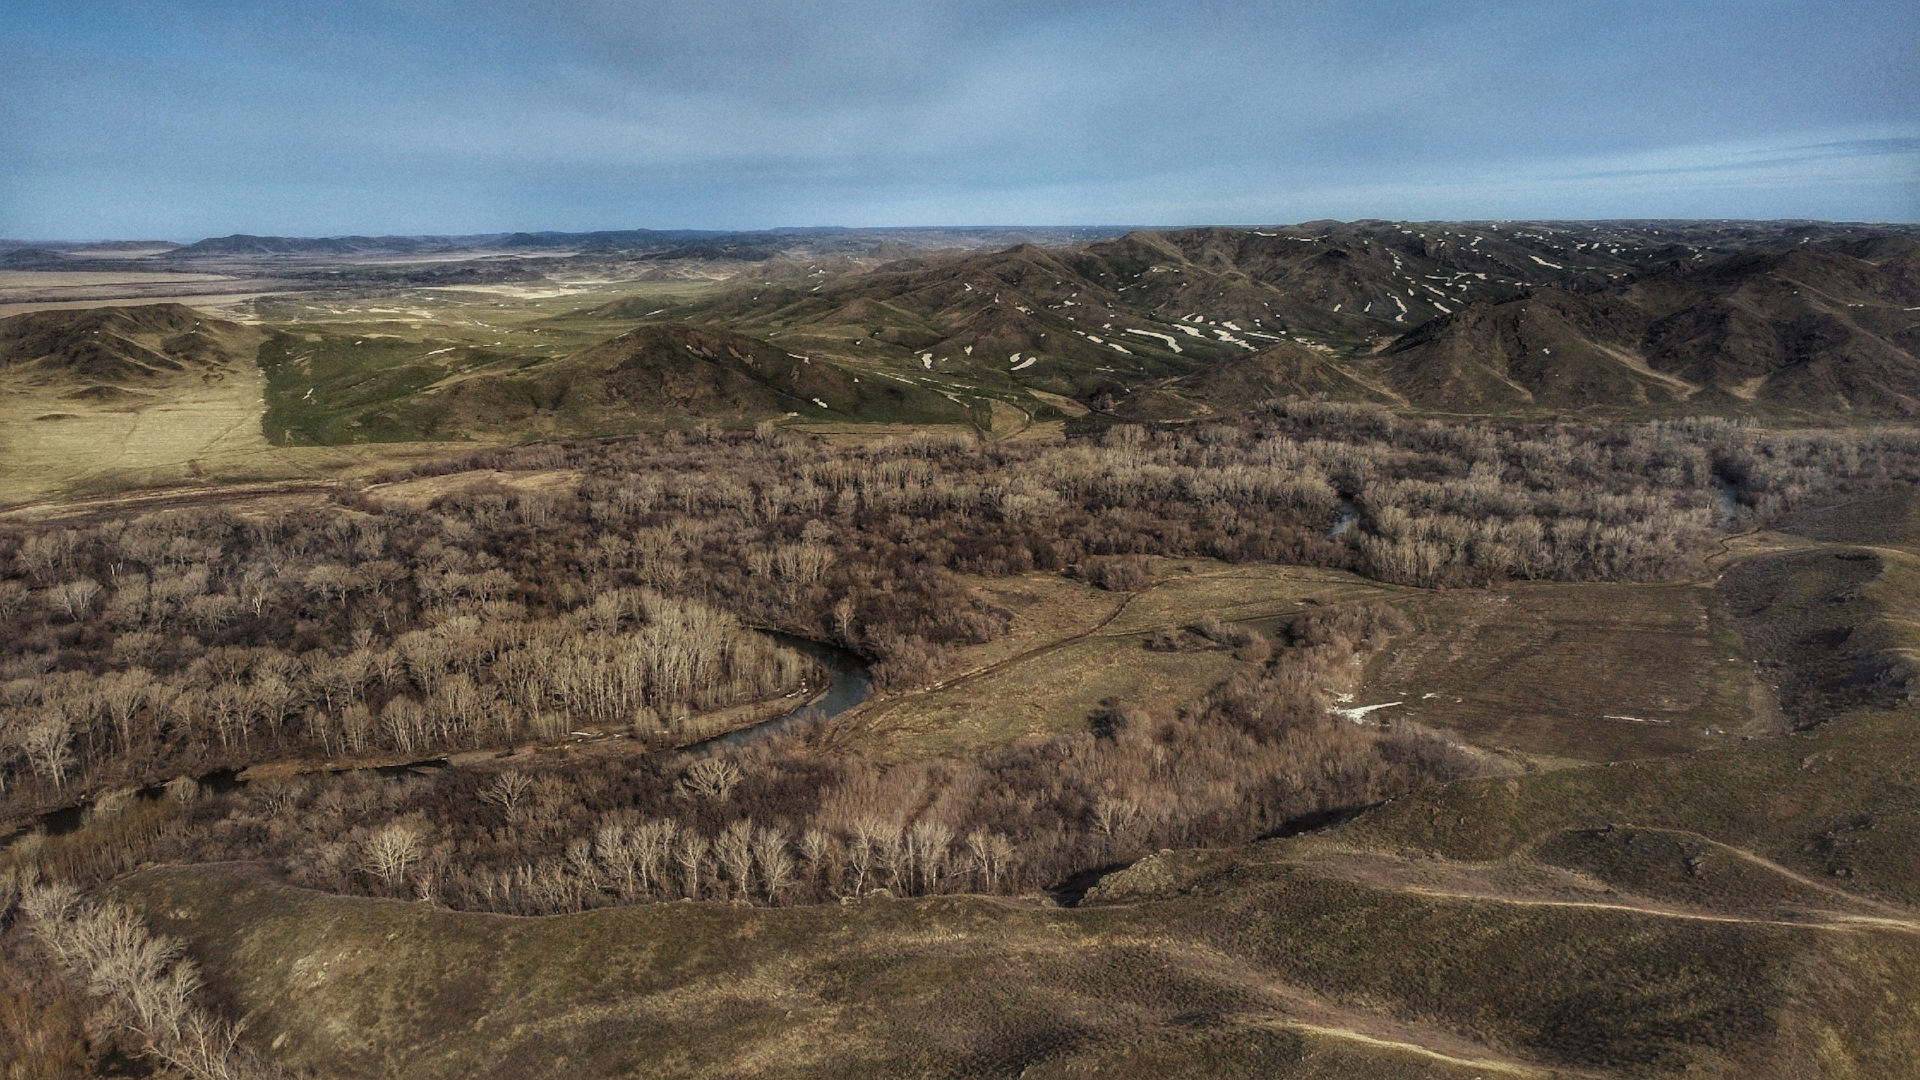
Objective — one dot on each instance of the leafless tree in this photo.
(734, 848)
(712, 778)
(76, 597)
(691, 854)
(775, 862)
(48, 744)
(508, 791)
(391, 849)
(930, 840)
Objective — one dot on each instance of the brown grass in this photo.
(1551, 670)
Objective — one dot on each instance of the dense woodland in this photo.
(620, 597)
(621, 588)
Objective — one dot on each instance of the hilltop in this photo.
(1654, 319)
(120, 348)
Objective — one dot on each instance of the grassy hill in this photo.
(105, 352)
(1782, 322)
(1653, 319)
(328, 389)
(1641, 920)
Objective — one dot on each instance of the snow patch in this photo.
(1168, 338)
(1358, 714)
(1024, 364)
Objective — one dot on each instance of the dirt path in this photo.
(1828, 920)
(161, 499)
(973, 674)
(1303, 1010)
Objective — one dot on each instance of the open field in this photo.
(52, 443)
(1574, 672)
(1072, 646)
(53, 447)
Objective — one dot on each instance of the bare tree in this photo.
(776, 864)
(147, 983)
(712, 778)
(691, 854)
(734, 847)
(992, 855)
(653, 843)
(617, 847)
(76, 597)
(391, 850)
(1114, 812)
(508, 791)
(48, 744)
(930, 841)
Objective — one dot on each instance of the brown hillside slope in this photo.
(1232, 963)
(1829, 329)
(1280, 371)
(1825, 330)
(666, 373)
(1551, 348)
(120, 347)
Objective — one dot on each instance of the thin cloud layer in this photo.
(188, 119)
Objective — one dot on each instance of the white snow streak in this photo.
(1168, 338)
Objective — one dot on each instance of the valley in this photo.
(1361, 649)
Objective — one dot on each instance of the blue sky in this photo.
(187, 119)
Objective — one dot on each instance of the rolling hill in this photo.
(1823, 330)
(1652, 318)
(329, 390)
(105, 351)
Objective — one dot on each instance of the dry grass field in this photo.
(53, 442)
(1072, 646)
(1574, 673)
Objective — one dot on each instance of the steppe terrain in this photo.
(1336, 650)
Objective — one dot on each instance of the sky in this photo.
(180, 119)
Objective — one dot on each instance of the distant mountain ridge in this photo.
(1795, 319)
(1825, 329)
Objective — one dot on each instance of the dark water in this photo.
(851, 683)
(1349, 514)
(1729, 506)
(219, 782)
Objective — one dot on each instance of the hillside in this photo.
(385, 389)
(106, 350)
(1643, 318)
(1823, 330)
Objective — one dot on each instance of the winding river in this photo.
(850, 683)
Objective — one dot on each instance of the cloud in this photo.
(384, 115)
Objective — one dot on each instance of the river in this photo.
(850, 683)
